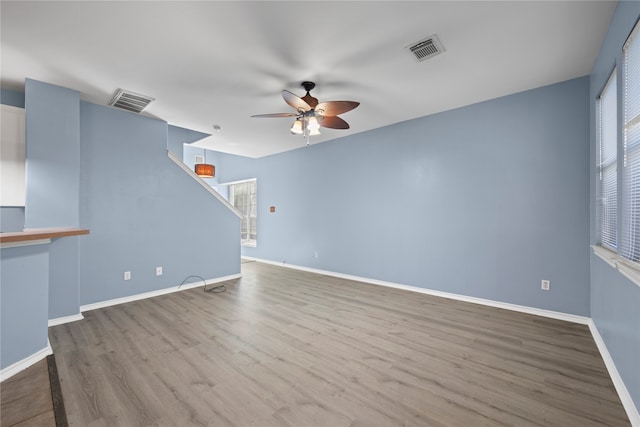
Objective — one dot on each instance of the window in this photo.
(607, 190)
(243, 196)
(630, 192)
(619, 229)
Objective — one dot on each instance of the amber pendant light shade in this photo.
(205, 170)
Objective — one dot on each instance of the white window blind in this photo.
(630, 218)
(607, 119)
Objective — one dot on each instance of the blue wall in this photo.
(64, 277)
(144, 211)
(11, 97)
(179, 136)
(11, 218)
(484, 201)
(53, 183)
(615, 301)
(53, 155)
(23, 302)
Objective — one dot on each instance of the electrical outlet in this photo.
(127, 275)
(315, 254)
(545, 285)
(159, 271)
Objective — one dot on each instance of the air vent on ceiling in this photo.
(426, 48)
(130, 101)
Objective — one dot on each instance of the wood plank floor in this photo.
(26, 398)
(287, 348)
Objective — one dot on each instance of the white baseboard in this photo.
(130, 298)
(23, 364)
(491, 303)
(65, 319)
(623, 393)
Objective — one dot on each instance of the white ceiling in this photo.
(217, 63)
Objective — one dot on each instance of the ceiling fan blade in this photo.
(333, 122)
(295, 101)
(333, 108)
(276, 115)
(310, 100)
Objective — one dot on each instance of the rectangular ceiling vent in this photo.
(130, 101)
(426, 48)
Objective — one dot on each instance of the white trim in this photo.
(195, 176)
(130, 298)
(241, 181)
(5, 245)
(634, 32)
(623, 393)
(65, 319)
(631, 123)
(491, 303)
(23, 364)
(605, 254)
(629, 269)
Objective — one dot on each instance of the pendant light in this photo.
(205, 170)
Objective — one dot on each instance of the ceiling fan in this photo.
(311, 115)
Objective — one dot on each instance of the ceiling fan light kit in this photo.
(311, 115)
(298, 127)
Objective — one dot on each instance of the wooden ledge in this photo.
(41, 233)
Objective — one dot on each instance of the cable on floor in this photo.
(214, 289)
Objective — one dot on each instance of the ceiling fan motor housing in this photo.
(308, 86)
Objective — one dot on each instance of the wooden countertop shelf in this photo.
(30, 234)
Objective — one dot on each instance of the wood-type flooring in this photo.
(32, 397)
(283, 347)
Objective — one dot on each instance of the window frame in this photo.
(607, 233)
(250, 217)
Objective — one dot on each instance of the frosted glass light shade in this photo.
(296, 128)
